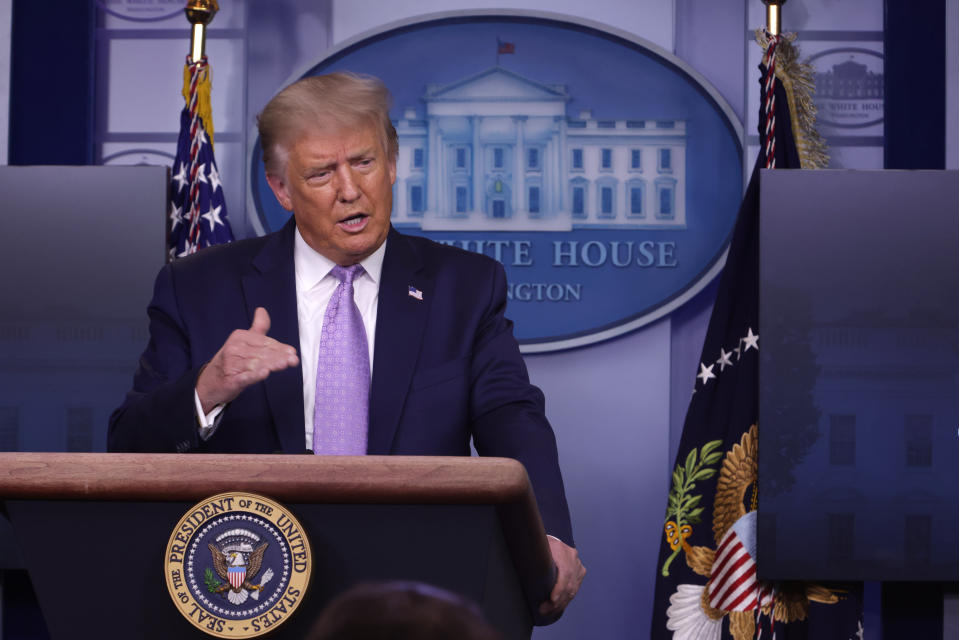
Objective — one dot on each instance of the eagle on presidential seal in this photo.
(732, 589)
(238, 563)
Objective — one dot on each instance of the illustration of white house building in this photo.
(497, 151)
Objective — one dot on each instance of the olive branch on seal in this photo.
(683, 507)
(210, 581)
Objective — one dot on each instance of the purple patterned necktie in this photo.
(342, 403)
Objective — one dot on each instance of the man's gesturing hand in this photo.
(569, 575)
(247, 357)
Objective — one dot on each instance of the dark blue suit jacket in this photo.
(445, 368)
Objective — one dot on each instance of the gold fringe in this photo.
(798, 80)
(204, 108)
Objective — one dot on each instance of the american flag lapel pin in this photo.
(415, 293)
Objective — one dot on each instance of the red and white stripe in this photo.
(237, 575)
(769, 99)
(733, 585)
(197, 68)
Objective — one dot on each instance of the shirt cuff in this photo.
(208, 422)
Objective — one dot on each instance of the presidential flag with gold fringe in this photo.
(707, 586)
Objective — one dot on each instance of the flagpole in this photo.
(774, 16)
(200, 13)
(196, 191)
(773, 28)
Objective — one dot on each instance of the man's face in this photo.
(339, 186)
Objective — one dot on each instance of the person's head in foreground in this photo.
(401, 611)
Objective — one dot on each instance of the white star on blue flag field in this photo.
(208, 225)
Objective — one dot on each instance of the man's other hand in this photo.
(569, 575)
(248, 356)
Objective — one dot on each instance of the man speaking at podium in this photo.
(404, 345)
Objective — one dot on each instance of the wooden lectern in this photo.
(92, 530)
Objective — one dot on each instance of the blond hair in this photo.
(336, 101)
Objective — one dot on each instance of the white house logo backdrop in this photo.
(603, 175)
(237, 565)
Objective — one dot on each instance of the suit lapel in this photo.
(400, 323)
(271, 284)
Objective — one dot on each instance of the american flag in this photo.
(197, 208)
(503, 47)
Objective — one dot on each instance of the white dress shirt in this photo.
(314, 288)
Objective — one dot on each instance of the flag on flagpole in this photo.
(503, 47)
(707, 585)
(198, 215)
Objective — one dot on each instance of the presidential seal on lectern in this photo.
(237, 565)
